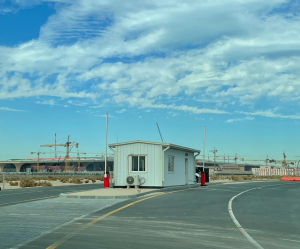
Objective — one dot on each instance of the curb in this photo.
(125, 197)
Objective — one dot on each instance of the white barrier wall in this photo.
(276, 172)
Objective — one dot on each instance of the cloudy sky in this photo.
(231, 65)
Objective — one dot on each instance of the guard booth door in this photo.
(206, 171)
(186, 171)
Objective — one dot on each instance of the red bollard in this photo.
(106, 181)
(202, 179)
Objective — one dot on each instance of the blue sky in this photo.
(230, 65)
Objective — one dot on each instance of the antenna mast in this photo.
(159, 132)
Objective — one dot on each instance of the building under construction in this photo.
(218, 168)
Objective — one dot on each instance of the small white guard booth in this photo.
(153, 164)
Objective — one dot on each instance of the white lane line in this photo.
(214, 189)
(298, 241)
(238, 225)
(66, 188)
(23, 193)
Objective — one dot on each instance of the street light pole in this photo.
(204, 147)
(106, 146)
(3, 180)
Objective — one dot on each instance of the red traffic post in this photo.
(106, 181)
(202, 179)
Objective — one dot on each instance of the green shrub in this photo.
(99, 178)
(234, 178)
(27, 182)
(87, 181)
(12, 178)
(44, 184)
(76, 180)
(64, 179)
(13, 183)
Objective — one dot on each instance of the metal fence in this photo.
(7, 177)
(276, 172)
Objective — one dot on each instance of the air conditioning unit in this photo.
(133, 180)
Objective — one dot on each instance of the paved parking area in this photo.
(23, 222)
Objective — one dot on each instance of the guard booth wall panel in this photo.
(178, 176)
(123, 162)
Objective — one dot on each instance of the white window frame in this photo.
(146, 163)
(171, 156)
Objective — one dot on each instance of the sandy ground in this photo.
(112, 192)
(54, 184)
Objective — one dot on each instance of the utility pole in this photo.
(38, 160)
(55, 146)
(214, 151)
(204, 146)
(106, 145)
(3, 179)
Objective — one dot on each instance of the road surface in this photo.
(16, 196)
(267, 214)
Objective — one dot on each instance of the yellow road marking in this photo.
(16, 202)
(62, 240)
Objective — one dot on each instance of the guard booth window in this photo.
(170, 163)
(138, 163)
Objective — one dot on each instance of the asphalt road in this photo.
(15, 196)
(194, 218)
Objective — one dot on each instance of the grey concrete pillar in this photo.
(2, 166)
(18, 166)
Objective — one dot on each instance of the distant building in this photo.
(154, 164)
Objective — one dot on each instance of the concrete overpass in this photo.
(56, 164)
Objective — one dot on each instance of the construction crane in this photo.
(38, 159)
(78, 156)
(214, 151)
(235, 157)
(284, 164)
(256, 160)
(224, 157)
(67, 145)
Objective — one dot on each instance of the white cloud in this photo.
(77, 103)
(271, 114)
(121, 111)
(47, 102)
(239, 119)
(173, 114)
(103, 116)
(10, 109)
(253, 55)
